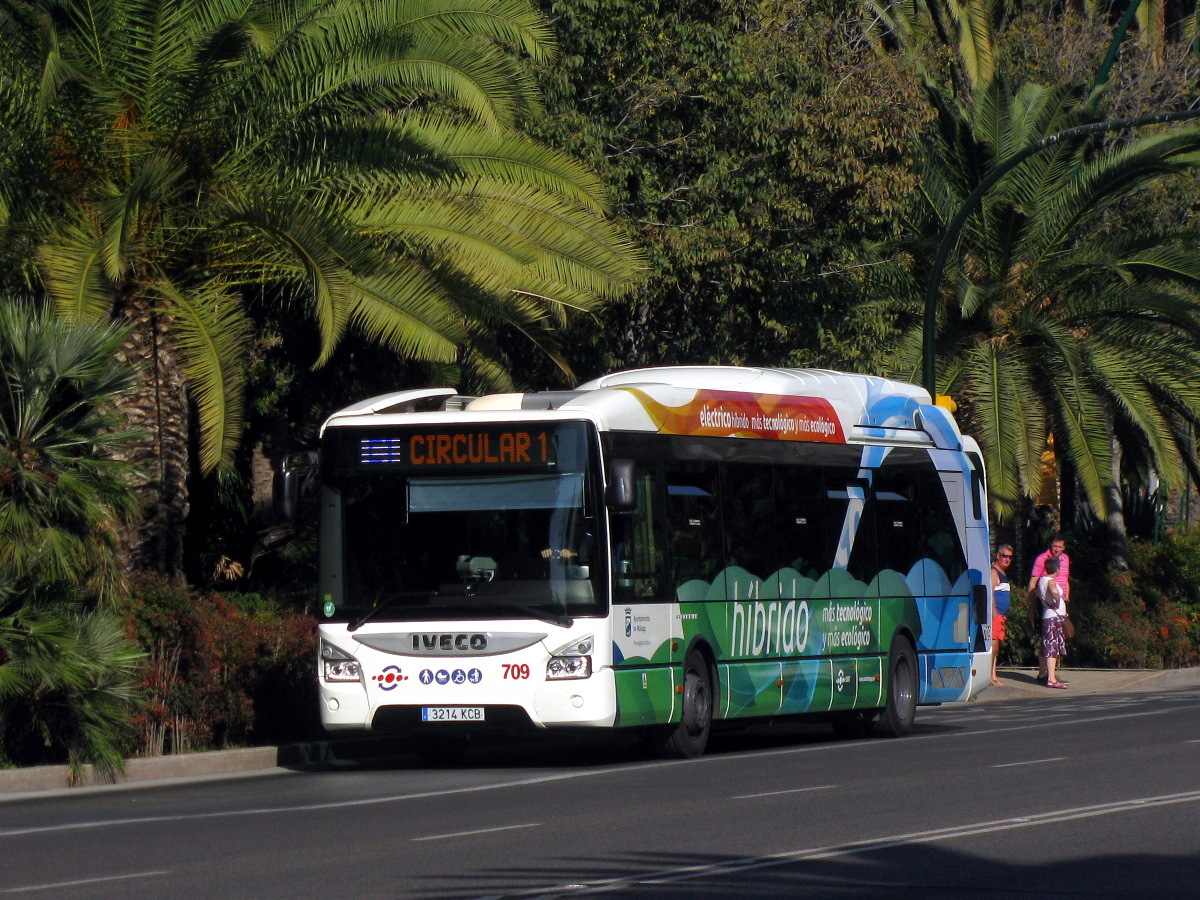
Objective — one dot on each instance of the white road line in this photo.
(685, 873)
(1029, 762)
(442, 837)
(833, 746)
(29, 888)
(821, 787)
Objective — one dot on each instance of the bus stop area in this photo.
(1018, 684)
(1015, 684)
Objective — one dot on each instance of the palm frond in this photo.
(212, 335)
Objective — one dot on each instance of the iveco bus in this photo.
(659, 549)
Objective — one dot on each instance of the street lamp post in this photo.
(950, 237)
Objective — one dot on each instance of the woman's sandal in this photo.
(995, 682)
(1056, 684)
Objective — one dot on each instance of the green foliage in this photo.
(62, 496)
(224, 670)
(355, 163)
(755, 145)
(68, 685)
(1051, 324)
(965, 30)
(68, 674)
(1147, 616)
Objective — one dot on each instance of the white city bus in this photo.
(658, 549)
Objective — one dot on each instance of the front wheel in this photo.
(689, 737)
(901, 709)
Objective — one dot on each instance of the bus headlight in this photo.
(571, 661)
(338, 665)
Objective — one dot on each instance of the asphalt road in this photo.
(1078, 796)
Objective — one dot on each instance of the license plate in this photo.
(451, 713)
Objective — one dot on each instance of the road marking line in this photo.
(82, 881)
(1030, 762)
(442, 837)
(747, 864)
(832, 746)
(822, 787)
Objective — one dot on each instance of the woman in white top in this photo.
(1054, 610)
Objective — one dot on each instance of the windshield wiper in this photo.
(389, 602)
(563, 621)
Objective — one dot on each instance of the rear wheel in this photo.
(901, 709)
(688, 738)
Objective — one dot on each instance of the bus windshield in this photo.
(470, 540)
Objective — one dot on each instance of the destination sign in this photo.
(447, 447)
(460, 448)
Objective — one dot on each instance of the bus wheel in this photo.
(901, 709)
(437, 750)
(687, 739)
(857, 723)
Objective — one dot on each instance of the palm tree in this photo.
(966, 27)
(1057, 324)
(68, 673)
(69, 682)
(357, 163)
(62, 495)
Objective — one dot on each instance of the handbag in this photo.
(1068, 628)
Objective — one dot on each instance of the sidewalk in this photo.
(1020, 684)
(1016, 684)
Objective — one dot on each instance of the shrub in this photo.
(224, 670)
(68, 685)
(1112, 625)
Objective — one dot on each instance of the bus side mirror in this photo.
(621, 495)
(295, 477)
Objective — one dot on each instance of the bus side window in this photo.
(693, 522)
(897, 523)
(636, 539)
(850, 524)
(804, 543)
(749, 514)
(940, 533)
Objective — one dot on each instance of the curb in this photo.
(146, 771)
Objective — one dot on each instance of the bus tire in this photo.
(688, 738)
(901, 709)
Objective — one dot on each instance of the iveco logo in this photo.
(437, 643)
(449, 643)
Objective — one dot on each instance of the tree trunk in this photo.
(634, 337)
(1114, 525)
(1068, 498)
(157, 410)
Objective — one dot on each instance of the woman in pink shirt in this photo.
(1058, 546)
